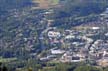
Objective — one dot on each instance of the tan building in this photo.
(103, 62)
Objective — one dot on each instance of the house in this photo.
(103, 62)
(48, 58)
(53, 34)
(69, 37)
(57, 51)
(72, 57)
(106, 34)
(95, 28)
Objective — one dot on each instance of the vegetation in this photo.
(7, 59)
(87, 68)
(20, 30)
(76, 12)
(43, 66)
(68, 67)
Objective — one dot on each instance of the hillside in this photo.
(18, 24)
(73, 10)
(22, 24)
(7, 4)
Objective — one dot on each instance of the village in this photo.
(88, 44)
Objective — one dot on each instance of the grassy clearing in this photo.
(46, 3)
(7, 59)
(54, 2)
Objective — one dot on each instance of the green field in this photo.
(54, 2)
(7, 59)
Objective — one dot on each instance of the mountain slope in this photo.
(10, 4)
(84, 10)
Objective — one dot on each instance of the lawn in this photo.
(54, 2)
(7, 59)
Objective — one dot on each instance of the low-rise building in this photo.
(73, 57)
(53, 34)
(103, 62)
(57, 51)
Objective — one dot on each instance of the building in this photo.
(73, 57)
(57, 51)
(53, 34)
(103, 62)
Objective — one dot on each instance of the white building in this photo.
(58, 51)
(95, 28)
(69, 37)
(53, 34)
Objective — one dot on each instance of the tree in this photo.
(87, 68)
(4, 68)
(106, 69)
(30, 69)
(0, 66)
